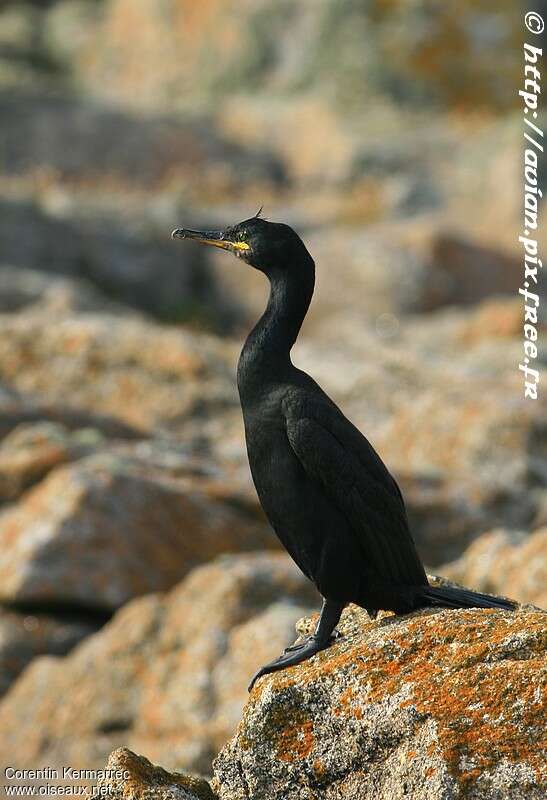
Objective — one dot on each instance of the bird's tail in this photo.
(453, 597)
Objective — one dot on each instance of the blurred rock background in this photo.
(139, 583)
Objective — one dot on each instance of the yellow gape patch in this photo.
(226, 244)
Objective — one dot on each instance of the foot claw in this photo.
(293, 655)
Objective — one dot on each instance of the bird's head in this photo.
(268, 246)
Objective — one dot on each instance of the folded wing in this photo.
(350, 473)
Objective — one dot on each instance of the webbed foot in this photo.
(322, 638)
(293, 655)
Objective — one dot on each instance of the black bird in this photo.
(326, 492)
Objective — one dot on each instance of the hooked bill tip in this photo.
(178, 233)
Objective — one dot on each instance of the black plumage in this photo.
(326, 492)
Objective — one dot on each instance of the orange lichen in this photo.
(291, 731)
(295, 742)
(348, 704)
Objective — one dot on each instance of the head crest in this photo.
(258, 214)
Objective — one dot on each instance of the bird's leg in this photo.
(321, 638)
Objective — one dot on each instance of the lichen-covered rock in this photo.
(133, 777)
(107, 528)
(434, 705)
(167, 676)
(505, 562)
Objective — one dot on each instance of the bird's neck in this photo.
(266, 353)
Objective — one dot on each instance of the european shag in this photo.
(326, 492)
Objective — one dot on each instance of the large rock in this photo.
(436, 704)
(167, 676)
(145, 374)
(100, 531)
(505, 562)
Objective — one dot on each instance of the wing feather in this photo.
(357, 482)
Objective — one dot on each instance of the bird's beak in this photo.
(214, 238)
